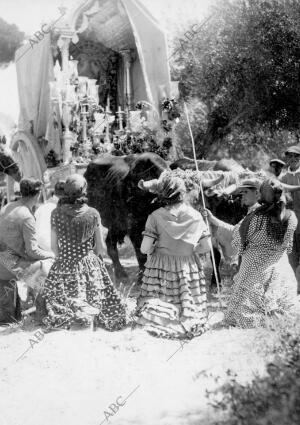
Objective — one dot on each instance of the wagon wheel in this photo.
(29, 156)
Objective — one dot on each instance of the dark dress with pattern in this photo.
(78, 280)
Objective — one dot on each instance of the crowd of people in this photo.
(69, 278)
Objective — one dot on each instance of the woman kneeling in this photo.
(78, 280)
(265, 284)
(172, 302)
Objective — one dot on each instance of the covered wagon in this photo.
(88, 83)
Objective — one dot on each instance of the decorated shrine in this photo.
(96, 81)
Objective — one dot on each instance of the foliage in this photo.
(272, 399)
(10, 40)
(198, 120)
(244, 67)
(254, 147)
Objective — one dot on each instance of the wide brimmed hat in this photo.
(278, 161)
(293, 149)
(249, 184)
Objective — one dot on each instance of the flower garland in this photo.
(191, 178)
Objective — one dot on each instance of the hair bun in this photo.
(75, 188)
(30, 187)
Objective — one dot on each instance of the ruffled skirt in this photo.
(75, 292)
(172, 302)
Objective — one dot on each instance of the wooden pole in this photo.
(203, 201)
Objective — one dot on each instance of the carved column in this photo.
(127, 94)
(63, 43)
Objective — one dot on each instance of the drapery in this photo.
(34, 66)
(152, 50)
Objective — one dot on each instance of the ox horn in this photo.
(230, 189)
(207, 184)
(289, 187)
(149, 185)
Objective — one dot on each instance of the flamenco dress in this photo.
(172, 301)
(78, 280)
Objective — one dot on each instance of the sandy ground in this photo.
(72, 377)
(123, 378)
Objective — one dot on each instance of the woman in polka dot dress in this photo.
(265, 284)
(78, 280)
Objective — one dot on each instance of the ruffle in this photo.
(177, 280)
(69, 286)
(173, 296)
(156, 320)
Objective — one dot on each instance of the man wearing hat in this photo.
(249, 189)
(276, 167)
(292, 177)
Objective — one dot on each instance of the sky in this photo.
(28, 15)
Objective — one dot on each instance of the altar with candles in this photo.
(99, 84)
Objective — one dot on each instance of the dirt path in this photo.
(80, 377)
(72, 377)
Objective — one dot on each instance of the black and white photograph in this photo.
(150, 212)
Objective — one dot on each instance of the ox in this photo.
(113, 190)
(124, 207)
(219, 199)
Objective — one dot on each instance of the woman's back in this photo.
(12, 218)
(78, 286)
(269, 237)
(75, 229)
(177, 231)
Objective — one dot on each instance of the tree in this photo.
(244, 65)
(10, 40)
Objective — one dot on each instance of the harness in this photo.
(4, 168)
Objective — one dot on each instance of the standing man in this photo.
(276, 167)
(292, 177)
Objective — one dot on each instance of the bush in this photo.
(198, 120)
(10, 40)
(272, 399)
(253, 147)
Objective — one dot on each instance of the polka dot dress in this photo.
(78, 279)
(265, 283)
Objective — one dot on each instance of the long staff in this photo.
(203, 201)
